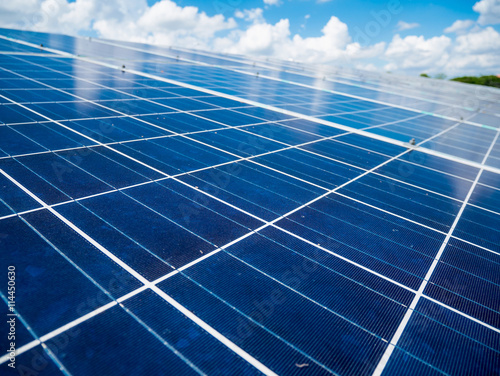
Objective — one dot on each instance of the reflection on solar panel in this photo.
(168, 211)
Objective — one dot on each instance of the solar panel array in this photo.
(172, 211)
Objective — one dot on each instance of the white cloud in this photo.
(335, 37)
(258, 39)
(271, 2)
(459, 26)
(250, 15)
(17, 13)
(54, 15)
(477, 52)
(367, 67)
(402, 25)
(167, 16)
(355, 51)
(164, 22)
(335, 43)
(416, 52)
(474, 52)
(479, 42)
(489, 11)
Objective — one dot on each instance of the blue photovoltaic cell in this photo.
(41, 95)
(264, 114)
(440, 164)
(115, 174)
(64, 175)
(481, 226)
(92, 341)
(229, 117)
(486, 197)
(185, 206)
(184, 104)
(445, 349)
(231, 183)
(181, 220)
(96, 265)
(382, 242)
(489, 178)
(70, 110)
(116, 129)
(463, 268)
(410, 202)
(120, 244)
(180, 122)
(345, 153)
(38, 261)
(17, 83)
(173, 155)
(371, 144)
(51, 136)
(35, 360)
(14, 197)
(237, 142)
(195, 344)
(311, 127)
(12, 114)
(160, 236)
(247, 334)
(289, 136)
(36, 184)
(13, 142)
(359, 346)
(413, 173)
(323, 284)
(402, 360)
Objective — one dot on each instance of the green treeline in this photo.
(482, 80)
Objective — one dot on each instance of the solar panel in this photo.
(173, 211)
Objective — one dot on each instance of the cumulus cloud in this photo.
(335, 37)
(250, 15)
(417, 52)
(459, 26)
(489, 11)
(402, 25)
(272, 2)
(477, 51)
(261, 38)
(367, 67)
(479, 42)
(164, 22)
(49, 15)
(12, 15)
(474, 52)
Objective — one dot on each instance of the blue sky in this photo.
(402, 36)
(433, 16)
